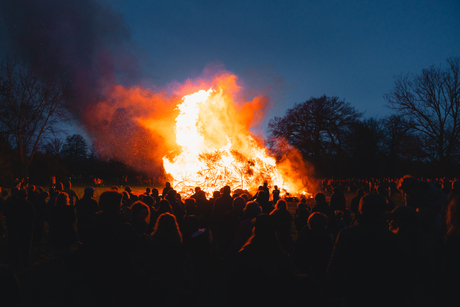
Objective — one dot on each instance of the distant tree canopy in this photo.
(318, 128)
(422, 136)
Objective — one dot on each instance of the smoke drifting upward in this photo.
(87, 43)
(78, 39)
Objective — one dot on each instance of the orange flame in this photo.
(211, 147)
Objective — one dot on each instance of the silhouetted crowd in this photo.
(236, 249)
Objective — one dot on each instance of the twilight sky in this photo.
(297, 49)
(300, 49)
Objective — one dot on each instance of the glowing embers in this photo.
(217, 150)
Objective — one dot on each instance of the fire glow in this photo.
(216, 151)
(212, 145)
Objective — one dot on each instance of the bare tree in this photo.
(430, 104)
(53, 147)
(31, 107)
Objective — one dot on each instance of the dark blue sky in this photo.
(349, 49)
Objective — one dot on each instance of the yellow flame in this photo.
(215, 151)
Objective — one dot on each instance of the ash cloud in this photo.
(88, 43)
(79, 39)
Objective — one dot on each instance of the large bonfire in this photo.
(211, 145)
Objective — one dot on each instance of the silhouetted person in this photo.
(73, 196)
(283, 223)
(322, 206)
(382, 190)
(354, 206)
(62, 233)
(230, 222)
(313, 248)
(166, 190)
(156, 196)
(40, 216)
(107, 254)
(369, 265)
(338, 201)
(140, 219)
(429, 202)
(262, 273)
(276, 194)
(301, 216)
(196, 247)
(167, 264)
(176, 205)
(20, 216)
(86, 209)
(245, 227)
(405, 223)
(263, 202)
(222, 205)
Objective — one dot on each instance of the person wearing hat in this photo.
(86, 208)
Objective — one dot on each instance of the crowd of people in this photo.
(232, 249)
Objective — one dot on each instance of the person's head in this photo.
(215, 194)
(281, 205)
(155, 192)
(164, 206)
(408, 185)
(62, 199)
(320, 198)
(360, 192)
(148, 200)
(110, 202)
(238, 204)
(128, 189)
(456, 185)
(59, 186)
(30, 189)
(189, 204)
(226, 190)
(197, 189)
(264, 226)
(317, 222)
(252, 209)
(276, 188)
(172, 194)
(147, 191)
(67, 184)
(166, 226)
(140, 212)
(89, 192)
(373, 206)
(168, 185)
